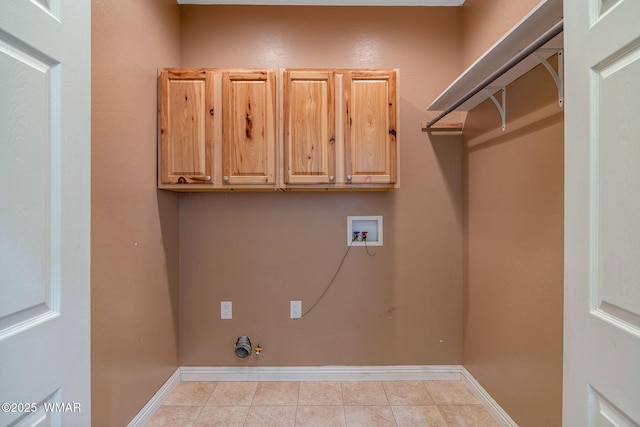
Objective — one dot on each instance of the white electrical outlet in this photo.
(296, 309)
(226, 310)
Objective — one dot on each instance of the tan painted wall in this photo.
(513, 229)
(513, 284)
(401, 306)
(134, 230)
(484, 22)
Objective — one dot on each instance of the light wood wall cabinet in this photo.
(370, 127)
(186, 126)
(217, 130)
(225, 130)
(309, 127)
(249, 127)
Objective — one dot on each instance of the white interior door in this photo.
(602, 213)
(45, 212)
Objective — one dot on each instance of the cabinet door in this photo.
(370, 127)
(248, 129)
(186, 126)
(309, 127)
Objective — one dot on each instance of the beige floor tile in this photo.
(320, 416)
(363, 393)
(233, 394)
(407, 393)
(467, 416)
(322, 403)
(369, 416)
(418, 416)
(450, 393)
(222, 416)
(193, 393)
(320, 393)
(175, 416)
(271, 416)
(276, 393)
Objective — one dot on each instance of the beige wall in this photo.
(513, 232)
(485, 22)
(401, 306)
(134, 230)
(513, 284)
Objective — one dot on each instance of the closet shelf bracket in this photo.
(548, 10)
(558, 77)
(502, 107)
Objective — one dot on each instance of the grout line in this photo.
(255, 391)
(388, 402)
(344, 413)
(246, 417)
(295, 419)
(199, 413)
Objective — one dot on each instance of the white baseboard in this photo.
(152, 406)
(323, 373)
(498, 414)
(320, 373)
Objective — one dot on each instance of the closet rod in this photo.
(535, 45)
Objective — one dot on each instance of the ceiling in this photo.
(331, 2)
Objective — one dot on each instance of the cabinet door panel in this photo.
(186, 126)
(309, 127)
(370, 127)
(248, 130)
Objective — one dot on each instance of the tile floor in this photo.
(326, 403)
